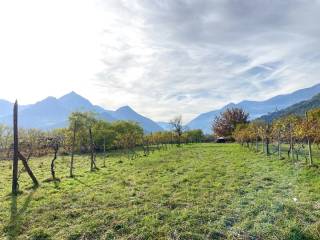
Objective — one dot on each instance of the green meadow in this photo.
(196, 191)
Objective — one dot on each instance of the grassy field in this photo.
(199, 191)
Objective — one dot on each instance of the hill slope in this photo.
(256, 108)
(297, 109)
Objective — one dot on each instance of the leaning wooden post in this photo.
(28, 169)
(15, 150)
(309, 145)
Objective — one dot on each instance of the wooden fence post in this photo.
(92, 148)
(291, 143)
(104, 151)
(15, 150)
(72, 148)
(17, 155)
(267, 139)
(279, 144)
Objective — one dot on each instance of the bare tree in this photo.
(53, 143)
(177, 127)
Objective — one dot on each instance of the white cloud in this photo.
(47, 47)
(161, 57)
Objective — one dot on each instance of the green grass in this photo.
(199, 191)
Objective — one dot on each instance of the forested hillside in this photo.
(297, 109)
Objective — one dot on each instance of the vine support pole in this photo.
(92, 149)
(72, 148)
(17, 155)
(268, 139)
(104, 151)
(309, 146)
(279, 144)
(15, 150)
(291, 143)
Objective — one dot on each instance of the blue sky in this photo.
(162, 58)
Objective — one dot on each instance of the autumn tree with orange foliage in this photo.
(225, 124)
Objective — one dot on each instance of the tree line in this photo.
(291, 135)
(86, 134)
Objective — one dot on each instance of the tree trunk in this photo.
(53, 172)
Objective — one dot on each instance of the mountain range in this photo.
(53, 113)
(256, 108)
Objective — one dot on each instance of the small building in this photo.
(220, 140)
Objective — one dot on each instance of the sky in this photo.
(161, 57)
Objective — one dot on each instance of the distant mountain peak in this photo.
(73, 101)
(72, 94)
(47, 100)
(230, 105)
(125, 108)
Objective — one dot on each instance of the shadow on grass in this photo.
(14, 226)
(298, 234)
(81, 182)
